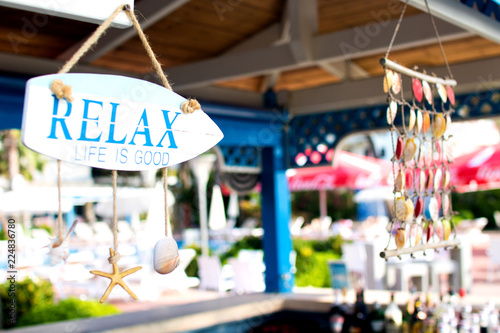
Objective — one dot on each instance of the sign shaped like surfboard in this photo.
(114, 122)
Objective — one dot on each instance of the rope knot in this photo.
(114, 257)
(61, 90)
(190, 105)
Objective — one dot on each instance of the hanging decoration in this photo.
(115, 123)
(423, 215)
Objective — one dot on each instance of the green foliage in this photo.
(480, 204)
(311, 262)
(192, 269)
(71, 308)
(28, 294)
(312, 268)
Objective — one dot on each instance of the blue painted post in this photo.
(276, 212)
(70, 217)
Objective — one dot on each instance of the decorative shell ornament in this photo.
(410, 149)
(388, 80)
(438, 229)
(426, 122)
(434, 209)
(442, 92)
(416, 233)
(419, 121)
(391, 112)
(439, 126)
(396, 83)
(400, 238)
(428, 231)
(446, 203)
(59, 251)
(427, 91)
(451, 94)
(419, 205)
(417, 89)
(399, 148)
(401, 209)
(400, 181)
(166, 255)
(413, 118)
(409, 209)
(446, 229)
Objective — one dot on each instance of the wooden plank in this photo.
(467, 49)
(248, 84)
(304, 78)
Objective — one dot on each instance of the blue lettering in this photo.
(90, 151)
(168, 131)
(61, 121)
(111, 136)
(165, 160)
(123, 153)
(101, 154)
(140, 158)
(144, 120)
(83, 135)
(149, 158)
(154, 158)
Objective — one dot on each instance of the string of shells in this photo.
(422, 207)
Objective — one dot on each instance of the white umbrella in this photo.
(217, 216)
(374, 194)
(33, 200)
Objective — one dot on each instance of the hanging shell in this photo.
(434, 209)
(417, 89)
(409, 178)
(429, 182)
(439, 126)
(428, 231)
(448, 122)
(446, 179)
(426, 122)
(391, 112)
(413, 118)
(446, 204)
(400, 209)
(427, 91)
(409, 209)
(166, 255)
(416, 232)
(400, 238)
(58, 250)
(446, 229)
(438, 229)
(442, 92)
(421, 181)
(400, 181)
(451, 94)
(399, 148)
(388, 80)
(410, 149)
(438, 175)
(419, 205)
(396, 83)
(419, 121)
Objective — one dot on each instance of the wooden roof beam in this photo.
(338, 46)
(471, 76)
(456, 13)
(149, 12)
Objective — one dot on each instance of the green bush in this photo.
(28, 294)
(71, 308)
(311, 262)
(246, 243)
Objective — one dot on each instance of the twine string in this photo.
(116, 256)
(168, 227)
(59, 211)
(396, 29)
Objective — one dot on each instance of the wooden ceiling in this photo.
(204, 29)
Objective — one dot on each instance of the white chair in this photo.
(246, 277)
(125, 233)
(102, 233)
(296, 226)
(178, 279)
(210, 273)
(494, 254)
(354, 256)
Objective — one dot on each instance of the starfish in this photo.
(116, 278)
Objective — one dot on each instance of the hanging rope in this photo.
(396, 29)
(115, 256)
(59, 212)
(168, 227)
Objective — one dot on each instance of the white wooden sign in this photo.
(93, 11)
(114, 122)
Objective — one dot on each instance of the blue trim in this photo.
(276, 213)
(486, 7)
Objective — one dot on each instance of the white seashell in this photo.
(166, 255)
(60, 251)
(400, 181)
(413, 118)
(392, 110)
(419, 121)
(400, 208)
(445, 203)
(438, 175)
(409, 209)
(434, 209)
(421, 181)
(57, 253)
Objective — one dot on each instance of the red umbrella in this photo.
(350, 170)
(479, 170)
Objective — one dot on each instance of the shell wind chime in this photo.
(157, 131)
(423, 215)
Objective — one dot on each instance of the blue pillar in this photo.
(276, 212)
(70, 217)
